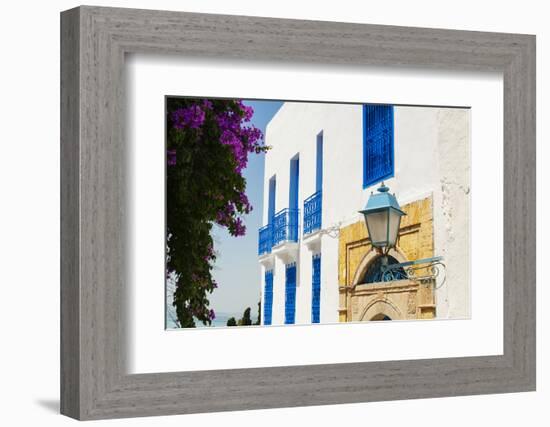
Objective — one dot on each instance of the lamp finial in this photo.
(383, 188)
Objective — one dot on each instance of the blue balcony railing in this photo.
(265, 240)
(313, 208)
(285, 226)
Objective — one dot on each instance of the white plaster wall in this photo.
(452, 212)
(329, 280)
(425, 164)
(278, 310)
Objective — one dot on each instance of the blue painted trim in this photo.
(290, 294)
(265, 239)
(384, 123)
(268, 297)
(319, 163)
(313, 212)
(271, 198)
(316, 289)
(294, 182)
(364, 116)
(285, 226)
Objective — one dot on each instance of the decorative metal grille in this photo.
(313, 212)
(268, 297)
(378, 273)
(265, 240)
(316, 289)
(290, 293)
(378, 140)
(285, 226)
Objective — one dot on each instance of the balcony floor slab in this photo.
(286, 251)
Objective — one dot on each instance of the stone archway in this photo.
(396, 300)
(379, 308)
(410, 299)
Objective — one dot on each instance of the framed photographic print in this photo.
(343, 212)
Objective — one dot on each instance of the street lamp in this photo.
(383, 217)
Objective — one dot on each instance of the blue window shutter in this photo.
(290, 294)
(378, 143)
(316, 289)
(294, 182)
(268, 297)
(271, 200)
(319, 163)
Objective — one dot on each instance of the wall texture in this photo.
(452, 210)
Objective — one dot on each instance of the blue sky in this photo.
(237, 270)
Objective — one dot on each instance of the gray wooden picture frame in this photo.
(94, 382)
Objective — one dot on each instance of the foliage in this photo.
(245, 320)
(231, 322)
(258, 321)
(208, 142)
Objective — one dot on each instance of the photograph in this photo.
(300, 212)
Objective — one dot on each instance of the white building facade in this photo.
(325, 161)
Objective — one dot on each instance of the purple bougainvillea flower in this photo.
(232, 140)
(253, 136)
(244, 201)
(240, 228)
(248, 112)
(190, 117)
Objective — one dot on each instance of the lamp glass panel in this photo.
(377, 224)
(393, 231)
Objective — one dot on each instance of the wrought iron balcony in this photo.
(285, 226)
(313, 208)
(265, 240)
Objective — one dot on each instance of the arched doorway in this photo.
(377, 307)
(380, 316)
(374, 297)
